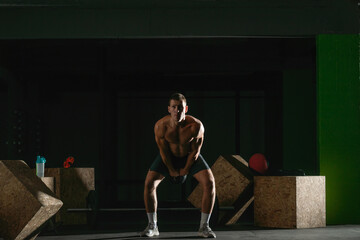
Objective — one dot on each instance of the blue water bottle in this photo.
(40, 166)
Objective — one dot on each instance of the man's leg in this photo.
(152, 181)
(207, 182)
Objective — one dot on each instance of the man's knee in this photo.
(206, 180)
(149, 185)
(152, 181)
(209, 185)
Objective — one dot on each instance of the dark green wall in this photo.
(299, 120)
(338, 128)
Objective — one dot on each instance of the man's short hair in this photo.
(178, 97)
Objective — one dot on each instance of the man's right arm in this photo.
(164, 148)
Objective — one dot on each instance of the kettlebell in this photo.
(178, 179)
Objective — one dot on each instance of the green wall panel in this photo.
(338, 102)
(299, 120)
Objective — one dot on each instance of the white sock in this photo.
(205, 217)
(152, 218)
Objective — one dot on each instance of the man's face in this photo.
(177, 110)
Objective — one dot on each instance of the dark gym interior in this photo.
(106, 95)
(96, 98)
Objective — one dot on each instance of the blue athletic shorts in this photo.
(159, 166)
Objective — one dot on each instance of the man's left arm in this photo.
(195, 147)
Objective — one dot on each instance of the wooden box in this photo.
(234, 187)
(26, 203)
(289, 201)
(72, 186)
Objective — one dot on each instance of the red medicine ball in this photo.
(258, 163)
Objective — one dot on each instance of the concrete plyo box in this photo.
(26, 203)
(234, 187)
(49, 182)
(289, 201)
(72, 186)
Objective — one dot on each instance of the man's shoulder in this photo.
(193, 120)
(162, 121)
(196, 125)
(160, 126)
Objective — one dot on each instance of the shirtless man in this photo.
(179, 138)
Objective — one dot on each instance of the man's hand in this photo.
(184, 171)
(180, 178)
(174, 173)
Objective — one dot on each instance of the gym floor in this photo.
(237, 231)
(184, 225)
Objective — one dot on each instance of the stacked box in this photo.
(234, 187)
(72, 186)
(289, 201)
(26, 203)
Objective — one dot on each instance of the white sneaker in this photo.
(150, 231)
(206, 232)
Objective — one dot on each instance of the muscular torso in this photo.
(179, 138)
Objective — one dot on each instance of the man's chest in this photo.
(179, 136)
